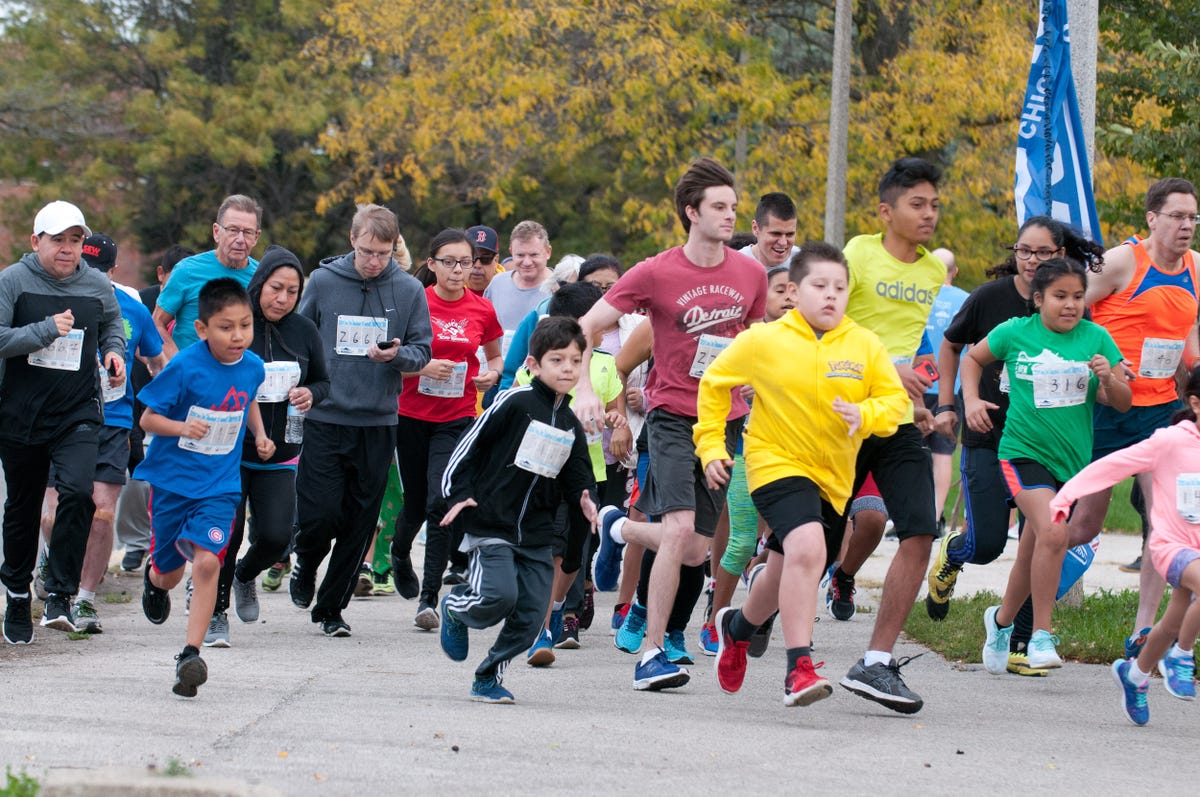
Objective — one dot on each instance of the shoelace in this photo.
(1043, 643)
(898, 663)
(948, 568)
(1185, 669)
(842, 587)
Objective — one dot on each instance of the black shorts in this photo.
(903, 470)
(675, 480)
(1026, 474)
(939, 443)
(791, 502)
(112, 457)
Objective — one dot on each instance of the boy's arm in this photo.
(262, 441)
(884, 408)
(162, 426)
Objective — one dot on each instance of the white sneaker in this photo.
(1042, 655)
(995, 648)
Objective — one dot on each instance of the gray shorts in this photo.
(1179, 564)
(675, 480)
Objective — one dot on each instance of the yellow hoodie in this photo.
(793, 429)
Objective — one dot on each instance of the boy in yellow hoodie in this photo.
(822, 384)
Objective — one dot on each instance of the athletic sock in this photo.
(877, 657)
(1136, 676)
(651, 653)
(85, 595)
(1180, 653)
(556, 606)
(740, 629)
(794, 654)
(614, 530)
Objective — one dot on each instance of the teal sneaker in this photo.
(995, 647)
(633, 629)
(1178, 672)
(455, 643)
(1135, 643)
(489, 690)
(1041, 652)
(675, 645)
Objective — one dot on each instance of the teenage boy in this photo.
(698, 296)
(774, 228)
(507, 476)
(822, 384)
(198, 410)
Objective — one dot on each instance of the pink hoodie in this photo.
(1171, 455)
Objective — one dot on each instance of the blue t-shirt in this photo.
(181, 295)
(141, 336)
(196, 379)
(947, 304)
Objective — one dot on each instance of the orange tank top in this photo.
(1149, 320)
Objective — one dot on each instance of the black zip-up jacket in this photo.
(516, 505)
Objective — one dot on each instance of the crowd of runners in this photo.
(739, 407)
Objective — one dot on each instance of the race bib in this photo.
(356, 333)
(109, 393)
(280, 378)
(1004, 379)
(62, 355)
(1160, 358)
(707, 349)
(222, 434)
(451, 387)
(1187, 496)
(505, 341)
(544, 449)
(1060, 385)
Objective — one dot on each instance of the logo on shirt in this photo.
(453, 329)
(699, 319)
(844, 369)
(904, 292)
(216, 535)
(234, 400)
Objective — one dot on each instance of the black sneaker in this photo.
(18, 620)
(335, 626)
(883, 684)
(302, 584)
(364, 584)
(56, 613)
(190, 672)
(131, 562)
(454, 577)
(405, 578)
(156, 602)
(839, 597)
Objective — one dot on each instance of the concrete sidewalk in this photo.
(385, 712)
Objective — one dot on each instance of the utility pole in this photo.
(1083, 16)
(839, 127)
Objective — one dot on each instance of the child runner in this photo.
(1058, 366)
(507, 476)
(822, 384)
(198, 409)
(1172, 456)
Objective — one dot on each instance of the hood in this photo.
(343, 266)
(794, 320)
(275, 258)
(30, 260)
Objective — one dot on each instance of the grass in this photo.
(116, 597)
(1094, 633)
(18, 785)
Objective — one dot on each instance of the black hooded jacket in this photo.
(291, 339)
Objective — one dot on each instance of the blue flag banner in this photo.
(1052, 174)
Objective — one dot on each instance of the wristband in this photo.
(945, 408)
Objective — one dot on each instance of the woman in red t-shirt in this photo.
(436, 406)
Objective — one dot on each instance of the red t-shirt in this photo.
(692, 310)
(459, 329)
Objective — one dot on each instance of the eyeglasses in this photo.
(603, 286)
(368, 255)
(238, 232)
(486, 259)
(450, 262)
(1180, 218)
(1042, 255)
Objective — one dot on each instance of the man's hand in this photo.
(115, 366)
(383, 355)
(944, 421)
(716, 473)
(454, 510)
(915, 382)
(589, 410)
(64, 321)
(635, 400)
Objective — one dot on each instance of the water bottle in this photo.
(1077, 560)
(294, 431)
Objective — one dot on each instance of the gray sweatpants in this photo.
(133, 516)
(509, 584)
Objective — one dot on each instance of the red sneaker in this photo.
(803, 686)
(731, 655)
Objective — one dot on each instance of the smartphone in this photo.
(112, 368)
(383, 345)
(928, 368)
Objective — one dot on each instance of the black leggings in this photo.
(691, 586)
(272, 498)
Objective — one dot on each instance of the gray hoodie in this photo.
(363, 392)
(37, 403)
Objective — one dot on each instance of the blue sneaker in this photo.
(489, 690)
(542, 652)
(658, 673)
(1133, 698)
(454, 634)
(608, 557)
(675, 646)
(618, 618)
(1135, 643)
(995, 647)
(556, 624)
(709, 643)
(633, 630)
(1179, 675)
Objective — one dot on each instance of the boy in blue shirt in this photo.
(198, 409)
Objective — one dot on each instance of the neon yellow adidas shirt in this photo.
(793, 429)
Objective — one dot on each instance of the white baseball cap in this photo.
(57, 217)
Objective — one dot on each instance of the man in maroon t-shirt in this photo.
(698, 297)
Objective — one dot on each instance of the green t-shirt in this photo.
(1051, 391)
(607, 384)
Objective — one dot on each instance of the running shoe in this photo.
(18, 620)
(569, 638)
(39, 576)
(489, 690)
(245, 600)
(608, 557)
(1135, 643)
(588, 613)
(454, 634)
(556, 625)
(365, 582)
(839, 594)
(633, 630)
(883, 684)
(709, 644)
(618, 617)
(131, 562)
(1179, 675)
(995, 645)
(56, 613)
(335, 626)
(1133, 567)
(273, 578)
(675, 645)
(217, 635)
(656, 672)
(1041, 651)
(1133, 698)
(405, 578)
(383, 584)
(761, 639)
(730, 665)
(454, 576)
(542, 652)
(803, 686)
(303, 584)
(942, 577)
(190, 672)
(86, 619)
(1018, 664)
(156, 602)
(427, 617)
